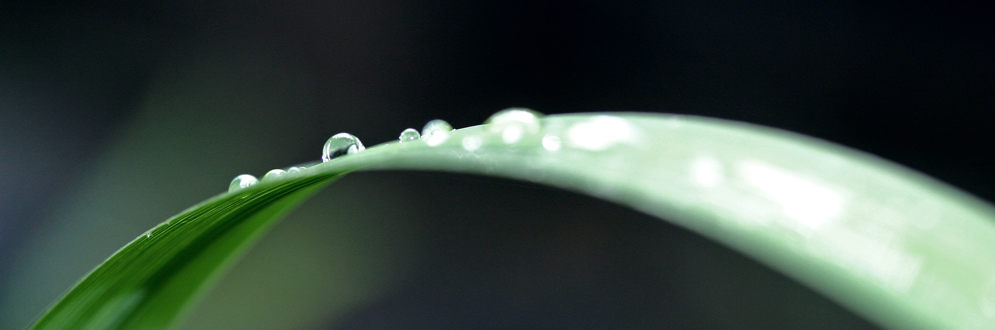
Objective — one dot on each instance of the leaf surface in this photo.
(893, 245)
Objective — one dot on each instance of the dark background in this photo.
(115, 116)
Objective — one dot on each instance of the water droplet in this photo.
(514, 123)
(433, 126)
(273, 174)
(435, 132)
(551, 142)
(512, 134)
(409, 134)
(241, 182)
(295, 170)
(471, 143)
(341, 144)
(436, 138)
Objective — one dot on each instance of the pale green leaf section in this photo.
(895, 246)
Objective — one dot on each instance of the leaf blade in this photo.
(878, 238)
(151, 282)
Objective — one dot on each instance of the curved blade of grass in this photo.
(895, 246)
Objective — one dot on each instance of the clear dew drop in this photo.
(341, 144)
(514, 123)
(551, 142)
(524, 116)
(437, 138)
(241, 182)
(273, 174)
(409, 134)
(295, 170)
(435, 132)
(433, 126)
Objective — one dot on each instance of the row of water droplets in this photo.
(248, 180)
(512, 124)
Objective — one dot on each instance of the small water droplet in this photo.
(433, 126)
(471, 143)
(295, 170)
(514, 123)
(273, 174)
(551, 142)
(341, 144)
(241, 182)
(409, 134)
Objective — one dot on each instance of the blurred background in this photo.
(116, 116)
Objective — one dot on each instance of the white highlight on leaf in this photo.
(600, 132)
(807, 202)
(707, 171)
(872, 252)
(471, 143)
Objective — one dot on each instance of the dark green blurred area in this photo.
(114, 117)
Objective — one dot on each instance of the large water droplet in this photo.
(273, 174)
(341, 144)
(241, 182)
(521, 115)
(514, 123)
(435, 132)
(437, 138)
(409, 134)
(433, 126)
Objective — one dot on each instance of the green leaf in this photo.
(895, 246)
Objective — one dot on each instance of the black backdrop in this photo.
(911, 82)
